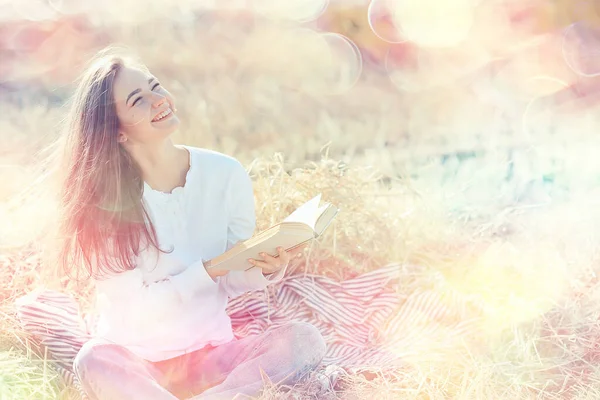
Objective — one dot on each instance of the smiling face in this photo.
(144, 108)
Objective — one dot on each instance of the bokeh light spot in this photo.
(581, 49)
(431, 23)
(381, 21)
(320, 63)
(342, 68)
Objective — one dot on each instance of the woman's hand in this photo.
(215, 273)
(270, 264)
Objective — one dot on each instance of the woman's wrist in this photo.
(215, 273)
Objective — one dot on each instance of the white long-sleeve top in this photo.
(169, 305)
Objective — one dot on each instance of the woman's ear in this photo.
(122, 138)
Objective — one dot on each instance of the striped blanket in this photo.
(366, 321)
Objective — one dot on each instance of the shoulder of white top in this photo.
(213, 156)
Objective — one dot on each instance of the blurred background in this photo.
(492, 101)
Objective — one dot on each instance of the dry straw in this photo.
(533, 338)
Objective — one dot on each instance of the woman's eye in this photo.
(155, 86)
(138, 100)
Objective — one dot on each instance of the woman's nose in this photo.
(159, 101)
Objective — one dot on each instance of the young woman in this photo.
(139, 216)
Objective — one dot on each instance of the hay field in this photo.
(463, 144)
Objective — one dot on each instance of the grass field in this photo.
(479, 178)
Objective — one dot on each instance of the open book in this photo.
(308, 222)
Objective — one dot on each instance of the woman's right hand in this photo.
(213, 272)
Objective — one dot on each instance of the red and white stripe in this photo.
(365, 321)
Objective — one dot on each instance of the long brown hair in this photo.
(102, 219)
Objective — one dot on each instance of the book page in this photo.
(306, 213)
(304, 224)
(325, 218)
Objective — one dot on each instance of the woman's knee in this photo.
(93, 356)
(309, 342)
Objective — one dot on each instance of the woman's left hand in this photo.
(271, 264)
